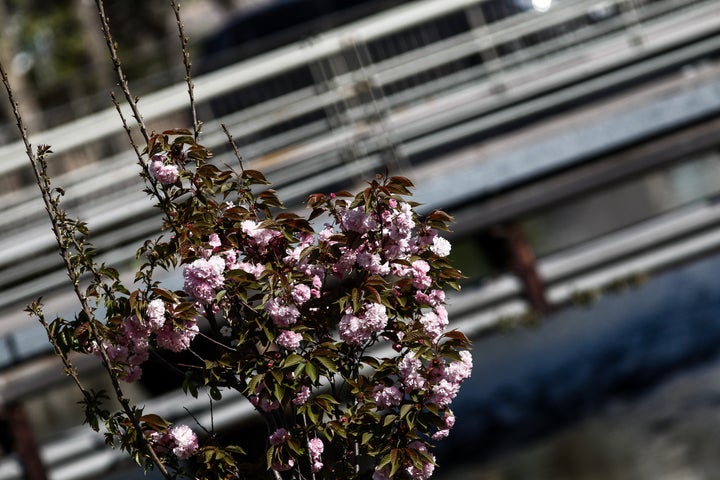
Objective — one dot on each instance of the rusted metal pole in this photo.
(521, 260)
(22, 441)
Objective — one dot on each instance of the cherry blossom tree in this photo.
(332, 324)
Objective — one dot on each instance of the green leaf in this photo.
(277, 375)
(311, 372)
(293, 359)
(254, 382)
(405, 409)
(394, 462)
(384, 461)
(328, 363)
(328, 397)
(279, 392)
(155, 422)
(215, 393)
(389, 419)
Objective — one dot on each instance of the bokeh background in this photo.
(576, 142)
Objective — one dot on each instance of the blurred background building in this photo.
(575, 142)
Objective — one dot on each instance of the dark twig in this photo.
(63, 233)
(197, 125)
(234, 147)
(122, 79)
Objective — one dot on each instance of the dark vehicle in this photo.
(281, 22)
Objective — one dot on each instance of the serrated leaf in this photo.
(293, 359)
(155, 422)
(311, 372)
(329, 398)
(255, 175)
(328, 363)
(394, 463)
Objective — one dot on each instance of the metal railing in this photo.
(394, 89)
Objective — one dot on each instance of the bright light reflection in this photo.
(541, 5)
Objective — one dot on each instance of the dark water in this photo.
(531, 385)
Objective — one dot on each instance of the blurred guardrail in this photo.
(81, 453)
(396, 89)
(404, 88)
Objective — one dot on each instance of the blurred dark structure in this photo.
(576, 143)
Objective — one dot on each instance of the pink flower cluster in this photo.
(444, 432)
(447, 379)
(204, 277)
(302, 395)
(130, 347)
(413, 472)
(387, 397)
(161, 171)
(289, 340)
(262, 401)
(279, 436)
(427, 469)
(261, 237)
(316, 448)
(373, 273)
(283, 314)
(180, 439)
(177, 338)
(357, 329)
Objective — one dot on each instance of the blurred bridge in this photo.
(589, 132)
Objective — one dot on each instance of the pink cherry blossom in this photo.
(302, 395)
(434, 323)
(279, 436)
(440, 247)
(315, 448)
(301, 293)
(155, 314)
(282, 313)
(186, 442)
(352, 330)
(387, 397)
(428, 467)
(165, 174)
(357, 220)
(289, 339)
(177, 339)
(204, 277)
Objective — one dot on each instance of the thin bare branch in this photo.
(61, 232)
(197, 125)
(122, 79)
(234, 147)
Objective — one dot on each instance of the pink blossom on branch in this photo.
(155, 314)
(315, 448)
(279, 436)
(289, 340)
(177, 339)
(186, 442)
(387, 397)
(163, 173)
(203, 278)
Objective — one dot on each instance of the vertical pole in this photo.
(521, 260)
(22, 441)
